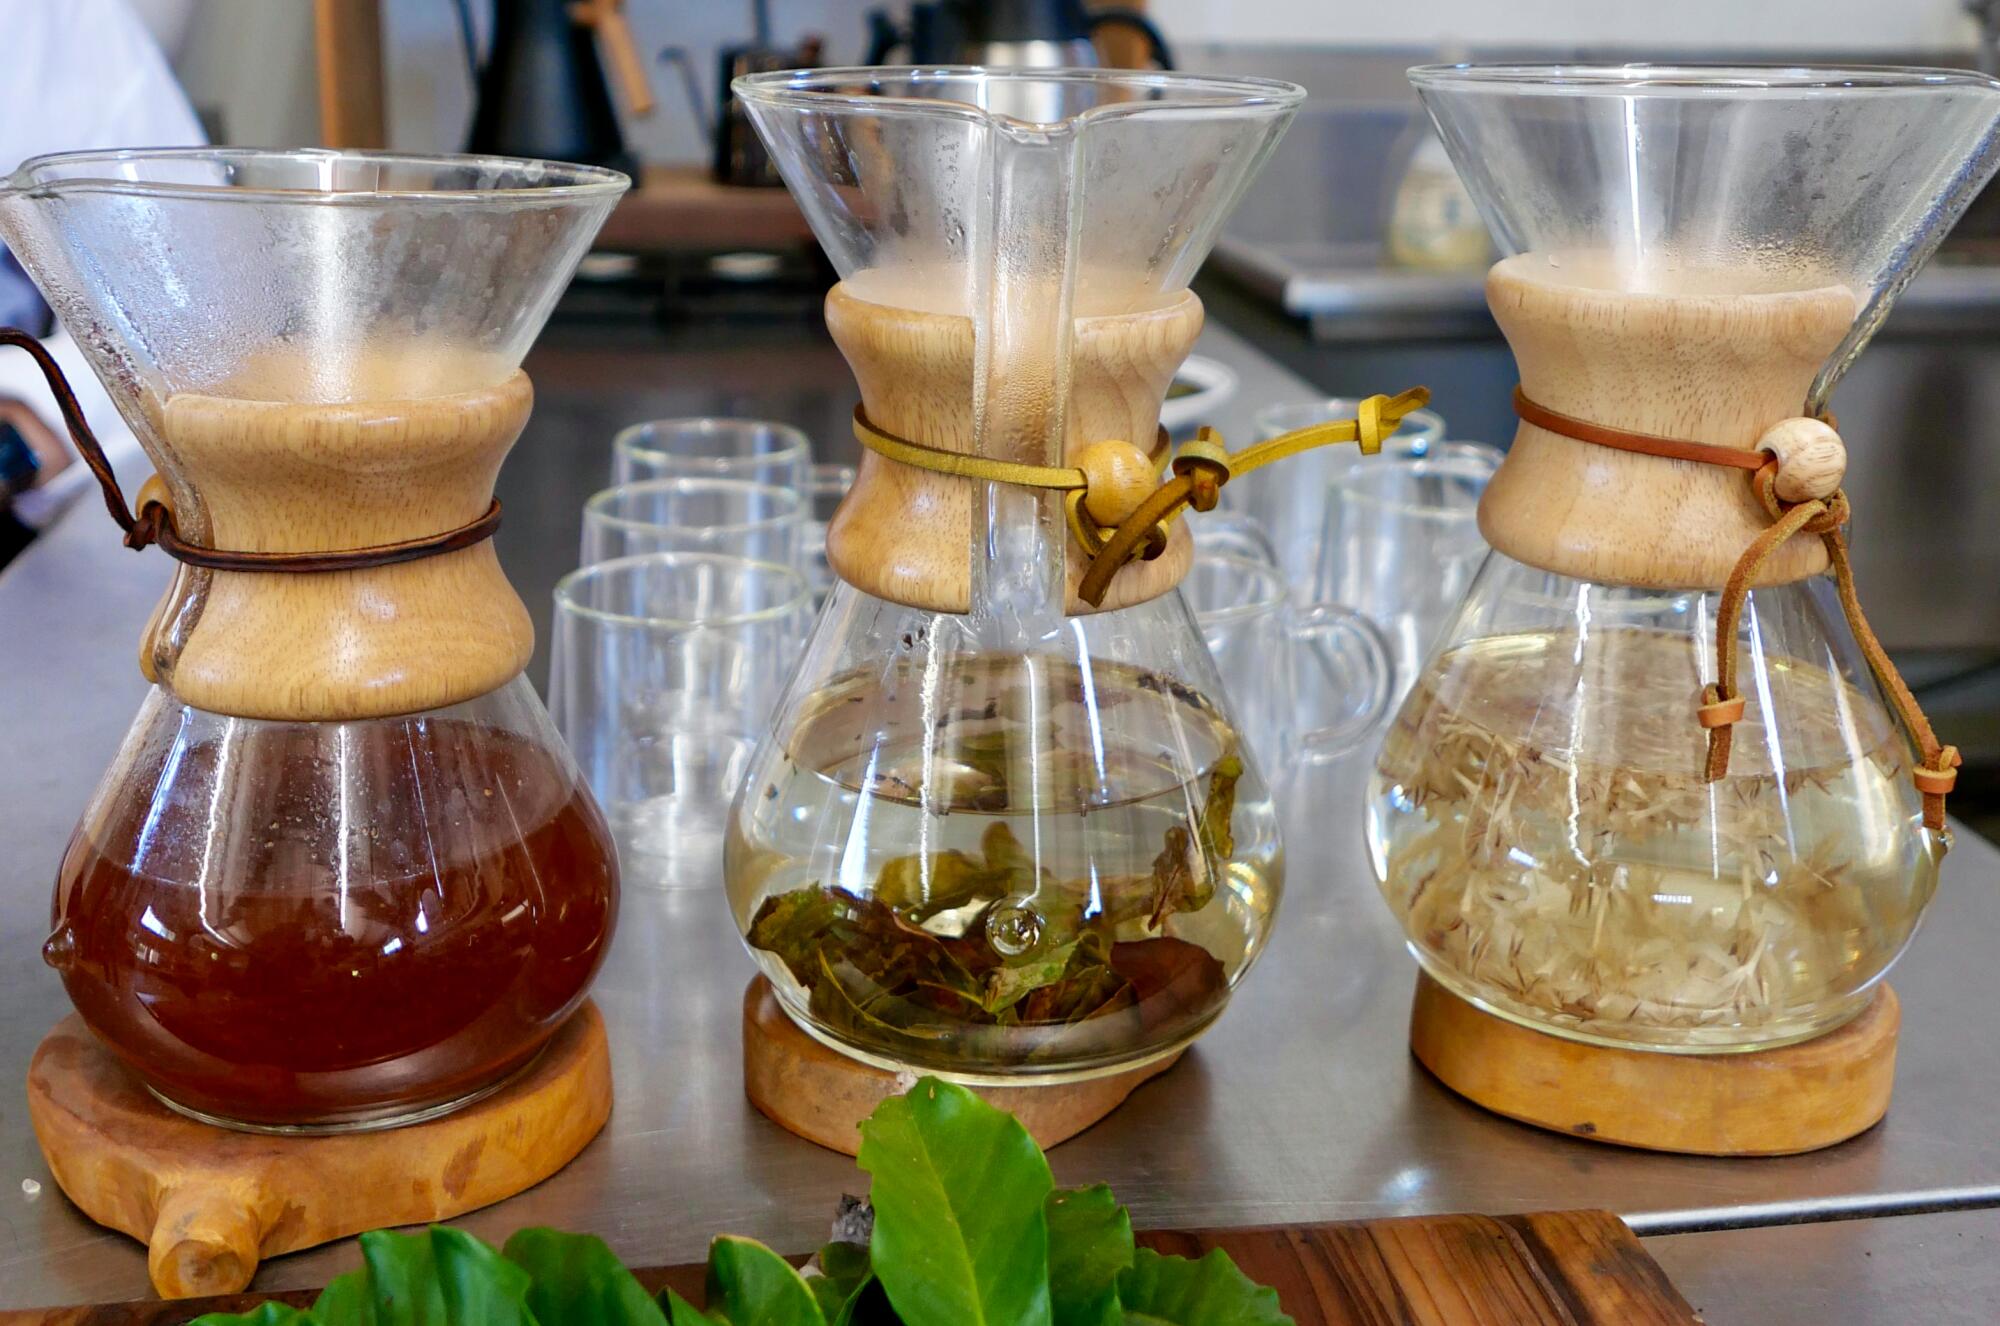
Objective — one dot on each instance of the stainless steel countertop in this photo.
(1302, 1104)
(1933, 1269)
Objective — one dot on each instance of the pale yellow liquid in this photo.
(1555, 855)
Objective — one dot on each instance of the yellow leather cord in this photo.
(1200, 468)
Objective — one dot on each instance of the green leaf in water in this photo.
(1090, 1244)
(577, 1279)
(1175, 1291)
(749, 1285)
(961, 1238)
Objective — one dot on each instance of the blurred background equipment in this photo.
(1016, 34)
(542, 90)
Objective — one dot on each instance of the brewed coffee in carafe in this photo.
(997, 831)
(1658, 787)
(342, 873)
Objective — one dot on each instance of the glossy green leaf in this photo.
(267, 1314)
(867, 1306)
(1159, 1290)
(402, 1278)
(576, 1280)
(478, 1284)
(346, 1301)
(958, 1190)
(749, 1285)
(843, 1268)
(680, 1312)
(1090, 1245)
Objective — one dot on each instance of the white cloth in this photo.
(76, 75)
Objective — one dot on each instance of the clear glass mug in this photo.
(754, 450)
(663, 674)
(1306, 682)
(1289, 500)
(1402, 545)
(828, 484)
(732, 517)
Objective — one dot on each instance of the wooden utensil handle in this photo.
(608, 18)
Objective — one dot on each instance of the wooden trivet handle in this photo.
(205, 1241)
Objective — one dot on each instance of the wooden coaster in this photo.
(1760, 1103)
(210, 1202)
(822, 1095)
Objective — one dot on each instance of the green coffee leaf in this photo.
(958, 1190)
(478, 1284)
(402, 1278)
(1090, 1244)
(1159, 1290)
(680, 1312)
(345, 1302)
(843, 1268)
(577, 1281)
(267, 1314)
(749, 1285)
(867, 1306)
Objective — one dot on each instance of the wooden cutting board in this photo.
(1555, 1268)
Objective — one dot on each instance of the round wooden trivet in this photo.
(1761, 1103)
(210, 1203)
(822, 1095)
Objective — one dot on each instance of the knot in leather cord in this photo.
(1200, 469)
(154, 523)
(1722, 707)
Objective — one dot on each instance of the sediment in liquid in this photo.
(1554, 852)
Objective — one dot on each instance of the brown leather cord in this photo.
(1646, 444)
(1721, 706)
(154, 523)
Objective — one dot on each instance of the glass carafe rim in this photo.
(1694, 79)
(569, 181)
(1176, 93)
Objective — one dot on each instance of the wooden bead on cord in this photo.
(1812, 460)
(1120, 476)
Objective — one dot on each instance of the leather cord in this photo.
(154, 522)
(1200, 469)
(1722, 706)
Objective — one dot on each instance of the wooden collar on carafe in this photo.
(1795, 472)
(153, 522)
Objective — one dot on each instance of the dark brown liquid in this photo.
(281, 954)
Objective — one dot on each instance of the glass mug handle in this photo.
(1341, 678)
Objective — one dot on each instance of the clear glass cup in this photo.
(1289, 500)
(1402, 545)
(1306, 683)
(755, 450)
(828, 484)
(726, 516)
(664, 671)
(1236, 532)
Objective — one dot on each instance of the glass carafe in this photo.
(994, 832)
(342, 872)
(1693, 254)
